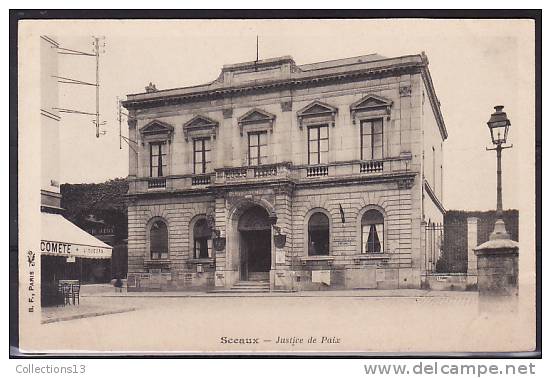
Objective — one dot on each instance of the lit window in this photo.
(372, 139)
(158, 240)
(201, 240)
(201, 155)
(372, 232)
(318, 144)
(157, 159)
(318, 235)
(258, 148)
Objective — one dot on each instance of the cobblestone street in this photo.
(423, 321)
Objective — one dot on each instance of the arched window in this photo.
(158, 240)
(372, 232)
(318, 234)
(201, 240)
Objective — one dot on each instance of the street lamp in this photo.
(499, 127)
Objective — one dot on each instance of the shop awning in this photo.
(59, 237)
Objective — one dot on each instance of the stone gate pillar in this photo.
(497, 266)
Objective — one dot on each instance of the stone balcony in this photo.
(284, 171)
(266, 172)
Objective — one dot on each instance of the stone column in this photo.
(405, 114)
(497, 265)
(472, 241)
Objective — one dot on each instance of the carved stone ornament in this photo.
(151, 88)
(370, 104)
(227, 113)
(132, 122)
(219, 193)
(286, 106)
(211, 222)
(405, 90)
(280, 240)
(284, 189)
(219, 243)
(317, 110)
(405, 183)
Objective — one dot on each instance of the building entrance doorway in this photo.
(255, 247)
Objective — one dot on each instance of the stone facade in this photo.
(323, 206)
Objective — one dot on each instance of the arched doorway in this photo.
(255, 245)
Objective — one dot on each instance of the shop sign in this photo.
(280, 257)
(54, 248)
(343, 242)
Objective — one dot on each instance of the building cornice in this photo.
(296, 79)
(202, 93)
(434, 102)
(397, 177)
(433, 197)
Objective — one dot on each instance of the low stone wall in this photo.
(449, 281)
(181, 281)
(314, 278)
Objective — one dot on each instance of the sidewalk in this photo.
(380, 293)
(87, 308)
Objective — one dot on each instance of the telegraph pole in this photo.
(66, 80)
(96, 48)
(122, 137)
(256, 61)
(120, 122)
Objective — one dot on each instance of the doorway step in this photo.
(251, 287)
(247, 287)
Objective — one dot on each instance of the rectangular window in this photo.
(372, 139)
(157, 159)
(372, 238)
(201, 155)
(318, 144)
(258, 148)
(202, 248)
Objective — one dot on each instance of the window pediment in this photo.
(156, 127)
(317, 111)
(370, 103)
(255, 116)
(156, 131)
(200, 124)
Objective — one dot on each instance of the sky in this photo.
(475, 65)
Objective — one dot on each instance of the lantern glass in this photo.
(499, 134)
(499, 126)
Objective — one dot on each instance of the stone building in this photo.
(286, 177)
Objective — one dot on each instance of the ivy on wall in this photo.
(105, 201)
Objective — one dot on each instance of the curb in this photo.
(267, 295)
(87, 315)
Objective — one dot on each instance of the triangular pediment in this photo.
(317, 108)
(200, 121)
(157, 127)
(256, 116)
(371, 102)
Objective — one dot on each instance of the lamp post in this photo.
(497, 259)
(499, 127)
